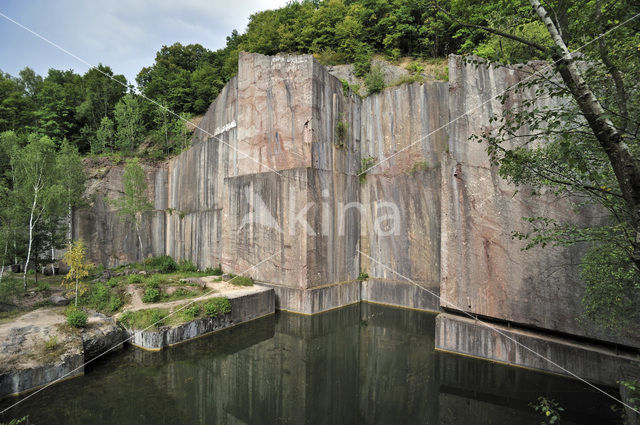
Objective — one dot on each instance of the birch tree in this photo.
(36, 186)
(134, 202)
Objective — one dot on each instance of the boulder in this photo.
(58, 300)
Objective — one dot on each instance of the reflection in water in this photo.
(361, 364)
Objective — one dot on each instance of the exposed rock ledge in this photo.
(38, 348)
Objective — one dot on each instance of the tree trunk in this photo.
(144, 264)
(6, 244)
(625, 166)
(31, 225)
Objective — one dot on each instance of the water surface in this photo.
(363, 364)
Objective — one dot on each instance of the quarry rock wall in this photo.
(273, 188)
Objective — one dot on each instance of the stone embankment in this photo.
(39, 348)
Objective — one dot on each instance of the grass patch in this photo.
(151, 318)
(154, 318)
(240, 280)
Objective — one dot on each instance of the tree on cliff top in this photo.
(586, 145)
(134, 202)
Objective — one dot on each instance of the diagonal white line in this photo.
(467, 112)
(57, 46)
(493, 328)
(131, 337)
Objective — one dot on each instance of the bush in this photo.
(51, 344)
(154, 281)
(217, 306)
(76, 318)
(363, 276)
(190, 312)
(112, 283)
(362, 61)
(134, 278)
(115, 303)
(187, 266)
(241, 281)
(157, 317)
(374, 81)
(365, 164)
(99, 296)
(164, 263)
(151, 295)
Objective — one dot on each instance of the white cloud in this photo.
(123, 34)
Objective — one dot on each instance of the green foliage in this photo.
(16, 421)
(99, 296)
(342, 129)
(132, 279)
(51, 344)
(363, 276)
(374, 81)
(115, 303)
(186, 266)
(151, 295)
(241, 280)
(76, 318)
(129, 124)
(144, 319)
(611, 298)
(217, 307)
(163, 263)
(419, 166)
(191, 312)
(154, 281)
(549, 409)
(365, 163)
(216, 271)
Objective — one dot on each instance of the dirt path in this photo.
(213, 288)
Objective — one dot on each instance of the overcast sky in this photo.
(124, 34)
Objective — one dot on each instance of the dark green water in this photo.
(364, 364)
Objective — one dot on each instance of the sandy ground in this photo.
(213, 288)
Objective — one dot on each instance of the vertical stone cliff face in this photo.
(270, 189)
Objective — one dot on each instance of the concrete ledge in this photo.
(245, 306)
(597, 364)
(315, 300)
(400, 294)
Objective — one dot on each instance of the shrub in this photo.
(342, 128)
(164, 263)
(134, 278)
(363, 276)
(43, 286)
(365, 164)
(157, 317)
(99, 296)
(187, 266)
(151, 295)
(76, 318)
(217, 306)
(190, 312)
(51, 344)
(115, 303)
(415, 68)
(112, 283)
(362, 61)
(241, 281)
(154, 281)
(374, 81)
